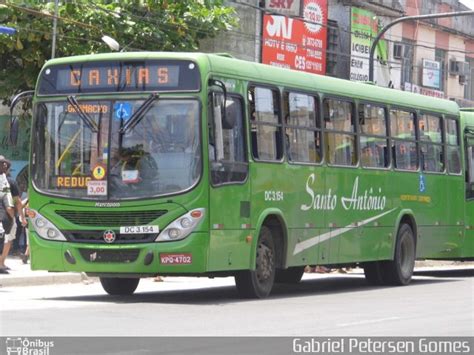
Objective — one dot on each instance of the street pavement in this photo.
(20, 274)
(437, 303)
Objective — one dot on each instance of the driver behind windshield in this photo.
(135, 169)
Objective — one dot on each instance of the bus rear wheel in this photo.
(399, 271)
(292, 275)
(119, 286)
(258, 283)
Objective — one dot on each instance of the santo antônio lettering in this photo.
(370, 199)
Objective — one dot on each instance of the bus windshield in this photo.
(158, 154)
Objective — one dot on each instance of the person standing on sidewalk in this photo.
(10, 233)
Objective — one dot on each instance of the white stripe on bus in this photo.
(299, 247)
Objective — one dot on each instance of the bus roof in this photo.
(230, 67)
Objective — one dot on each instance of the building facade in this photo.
(432, 57)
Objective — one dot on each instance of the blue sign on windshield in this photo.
(122, 111)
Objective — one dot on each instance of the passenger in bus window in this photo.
(367, 157)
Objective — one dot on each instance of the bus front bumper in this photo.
(186, 256)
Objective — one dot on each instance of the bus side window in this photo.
(470, 172)
(453, 149)
(340, 132)
(431, 143)
(403, 132)
(265, 124)
(302, 128)
(373, 136)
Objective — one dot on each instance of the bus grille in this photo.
(110, 256)
(111, 219)
(97, 237)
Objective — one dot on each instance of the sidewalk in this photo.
(21, 275)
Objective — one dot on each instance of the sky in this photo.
(468, 3)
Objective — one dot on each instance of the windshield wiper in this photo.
(138, 115)
(84, 116)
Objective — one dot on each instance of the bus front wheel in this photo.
(258, 283)
(119, 286)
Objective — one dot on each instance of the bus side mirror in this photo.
(228, 120)
(14, 123)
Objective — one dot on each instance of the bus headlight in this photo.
(45, 228)
(181, 227)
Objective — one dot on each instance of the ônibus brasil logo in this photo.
(109, 236)
(20, 346)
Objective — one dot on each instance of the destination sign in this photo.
(119, 76)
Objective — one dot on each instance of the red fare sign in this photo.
(296, 44)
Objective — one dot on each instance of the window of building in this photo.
(302, 128)
(440, 56)
(407, 61)
(340, 132)
(404, 148)
(453, 150)
(265, 124)
(227, 156)
(332, 47)
(373, 136)
(431, 143)
(469, 84)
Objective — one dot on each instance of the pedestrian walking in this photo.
(10, 203)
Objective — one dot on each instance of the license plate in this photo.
(176, 259)
(139, 230)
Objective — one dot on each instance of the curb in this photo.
(37, 280)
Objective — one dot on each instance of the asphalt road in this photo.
(437, 303)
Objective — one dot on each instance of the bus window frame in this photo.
(458, 129)
(387, 136)
(318, 116)
(253, 85)
(354, 116)
(241, 99)
(415, 140)
(442, 144)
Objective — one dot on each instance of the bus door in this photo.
(468, 248)
(229, 196)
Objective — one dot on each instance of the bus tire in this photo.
(258, 283)
(292, 275)
(373, 272)
(399, 271)
(119, 286)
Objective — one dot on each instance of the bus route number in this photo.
(273, 195)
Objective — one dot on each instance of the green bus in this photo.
(194, 164)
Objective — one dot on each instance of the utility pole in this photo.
(55, 25)
(406, 18)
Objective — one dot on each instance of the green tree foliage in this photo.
(150, 25)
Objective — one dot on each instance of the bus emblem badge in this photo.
(109, 236)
